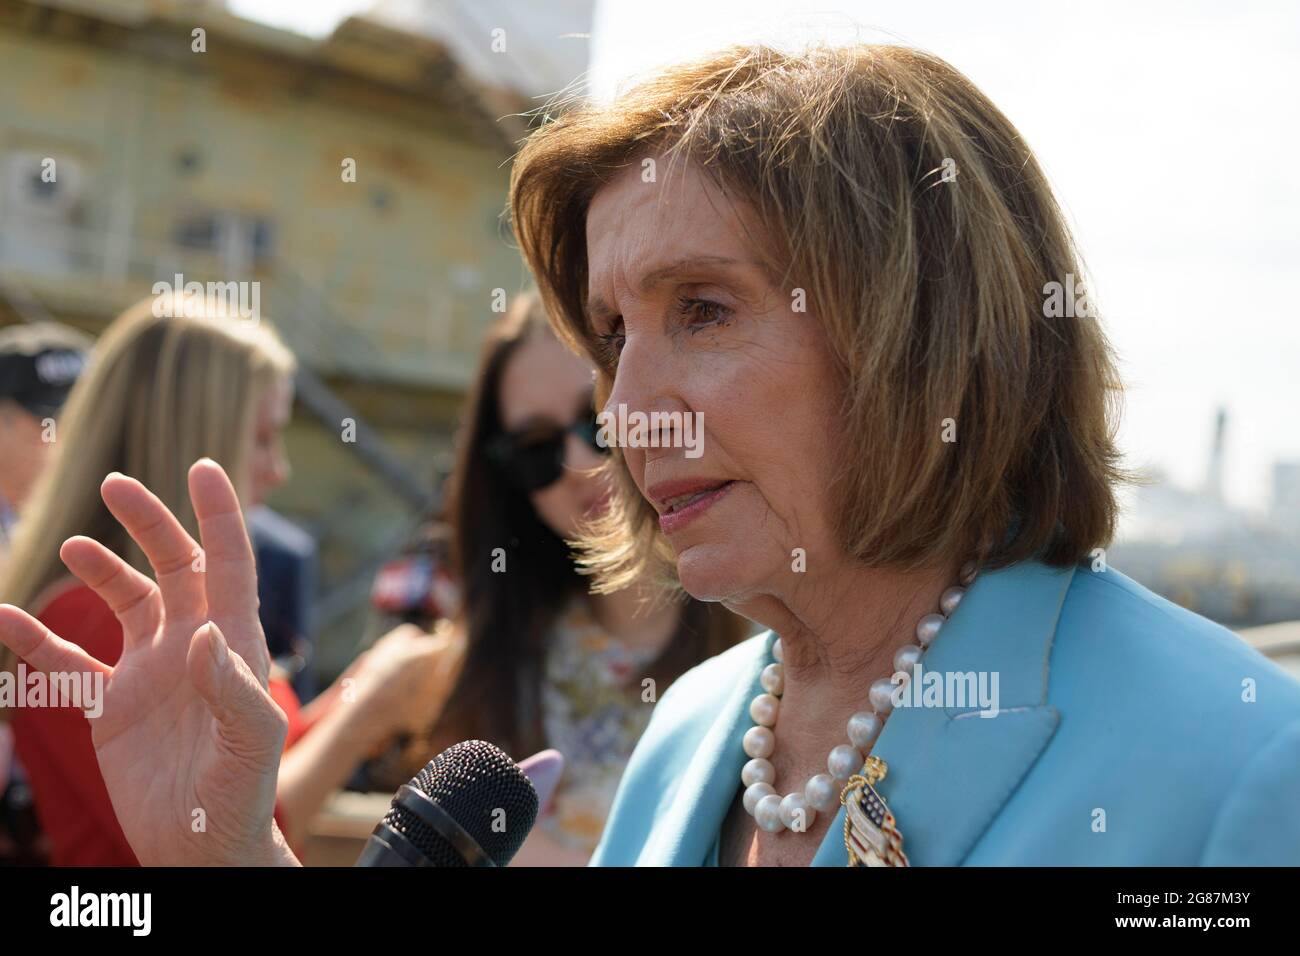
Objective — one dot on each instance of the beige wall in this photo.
(383, 285)
(407, 255)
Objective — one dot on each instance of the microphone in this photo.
(470, 806)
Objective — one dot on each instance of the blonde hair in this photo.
(159, 393)
(930, 292)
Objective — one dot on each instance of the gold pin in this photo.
(871, 834)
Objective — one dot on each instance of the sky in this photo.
(1169, 131)
(310, 17)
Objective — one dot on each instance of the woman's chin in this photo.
(714, 572)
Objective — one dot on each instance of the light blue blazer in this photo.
(1131, 732)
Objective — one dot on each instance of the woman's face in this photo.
(545, 387)
(268, 462)
(697, 327)
(27, 451)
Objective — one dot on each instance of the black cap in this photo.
(39, 364)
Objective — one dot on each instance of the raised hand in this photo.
(189, 740)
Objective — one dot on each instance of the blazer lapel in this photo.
(951, 770)
(692, 824)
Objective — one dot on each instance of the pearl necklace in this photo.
(797, 810)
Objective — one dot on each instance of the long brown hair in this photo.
(508, 618)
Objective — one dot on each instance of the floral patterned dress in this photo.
(593, 713)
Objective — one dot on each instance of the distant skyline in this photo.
(1167, 130)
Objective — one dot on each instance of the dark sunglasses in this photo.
(534, 457)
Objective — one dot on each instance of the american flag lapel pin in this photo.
(871, 834)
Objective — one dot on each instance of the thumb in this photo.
(251, 722)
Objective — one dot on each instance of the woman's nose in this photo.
(641, 368)
(280, 470)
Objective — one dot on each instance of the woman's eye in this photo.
(610, 344)
(702, 312)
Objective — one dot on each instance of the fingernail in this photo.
(216, 644)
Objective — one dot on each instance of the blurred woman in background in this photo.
(546, 663)
(162, 392)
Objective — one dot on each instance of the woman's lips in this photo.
(686, 512)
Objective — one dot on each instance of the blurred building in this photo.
(186, 141)
(1193, 548)
(1285, 505)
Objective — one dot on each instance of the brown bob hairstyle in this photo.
(927, 241)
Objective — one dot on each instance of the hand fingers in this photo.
(41, 648)
(167, 545)
(251, 722)
(231, 572)
(451, 646)
(131, 595)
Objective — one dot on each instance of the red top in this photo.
(54, 745)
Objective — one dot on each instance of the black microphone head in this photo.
(480, 788)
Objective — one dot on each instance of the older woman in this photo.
(847, 266)
(850, 265)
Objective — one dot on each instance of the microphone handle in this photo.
(387, 847)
